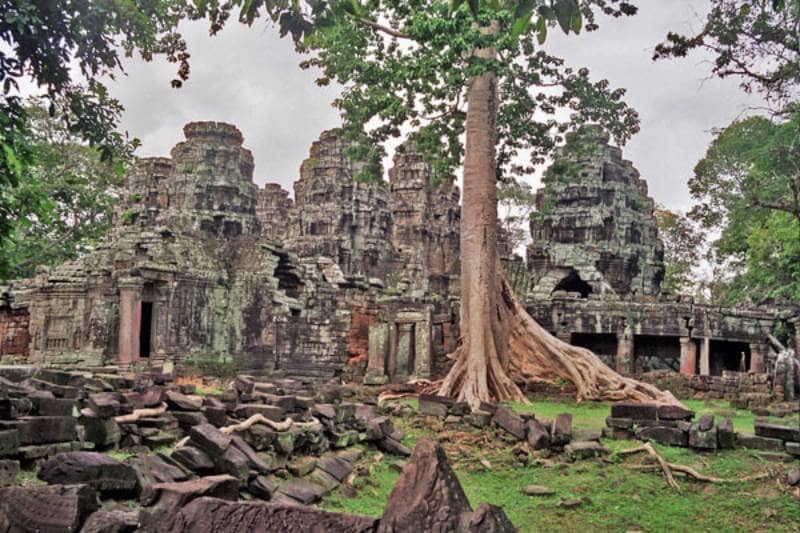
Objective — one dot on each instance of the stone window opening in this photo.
(729, 355)
(573, 283)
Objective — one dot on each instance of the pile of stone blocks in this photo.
(773, 437)
(540, 434)
(668, 424)
(745, 390)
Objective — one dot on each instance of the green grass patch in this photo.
(619, 498)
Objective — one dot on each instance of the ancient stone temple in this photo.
(596, 265)
(594, 230)
(195, 267)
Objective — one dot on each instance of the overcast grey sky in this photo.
(250, 77)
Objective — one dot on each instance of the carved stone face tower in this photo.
(594, 230)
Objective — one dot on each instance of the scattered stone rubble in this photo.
(675, 426)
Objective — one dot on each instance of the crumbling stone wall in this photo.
(14, 333)
(594, 228)
(272, 210)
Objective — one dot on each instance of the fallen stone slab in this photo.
(479, 419)
(664, 435)
(585, 449)
(234, 463)
(538, 490)
(561, 432)
(46, 509)
(537, 434)
(11, 408)
(102, 432)
(703, 440)
(793, 448)
(428, 495)
(674, 412)
(510, 421)
(636, 411)
(756, 442)
(432, 405)
(389, 445)
(270, 412)
(705, 423)
(726, 436)
(112, 522)
(210, 439)
(324, 480)
(182, 402)
(302, 490)
(193, 459)
(9, 470)
(105, 404)
(97, 470)
(44, 406)
(43, 451)
(775, 431)
(263, 487)
(210, 514)
(163, 501)
(47, 429)
(489, 518)
(9, 442)
(619, 423)
(151, 469)
(335, 466)
(254, 461)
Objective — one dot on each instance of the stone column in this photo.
(625, 352)
(422, 350)
(758, 355)
(376, 363)
(688, 356)
(130, 317)
(705, 357)
(404, 348)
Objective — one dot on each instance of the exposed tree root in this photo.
(531, 354)
(670, 468)
(277, 426)
(141, 413)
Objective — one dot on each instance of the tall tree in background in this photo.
(64, 200)
(747, 190)
(683, 247)
(470, 79)
(756, 42)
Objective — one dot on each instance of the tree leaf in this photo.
(577, 21)
(455, 4)
(778, 5)
(541, 29)
(521, 25)
(564, 12)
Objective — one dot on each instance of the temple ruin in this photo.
(360, 278)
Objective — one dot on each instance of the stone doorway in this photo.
(146, 330)
(602, 344)
(573, 283)
(727, 355)
(656, 352)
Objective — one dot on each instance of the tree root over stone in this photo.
(141, 413)
(670, 468)
(524, 350)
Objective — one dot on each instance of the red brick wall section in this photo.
(14, 337)
(358, 334)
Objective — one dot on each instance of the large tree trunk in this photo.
(499, 340)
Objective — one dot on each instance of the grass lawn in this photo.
(620, 499)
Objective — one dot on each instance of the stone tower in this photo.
(426, 221)
(594, 230)
(337, 216)
(273, 208)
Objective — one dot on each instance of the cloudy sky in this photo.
(249, 77)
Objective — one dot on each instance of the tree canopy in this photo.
(747, 189)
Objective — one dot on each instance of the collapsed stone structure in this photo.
(361, 276)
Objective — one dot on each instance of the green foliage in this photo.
(756, 41)
(747, 189)
(63, 200)
(682, 250)
(65, 48)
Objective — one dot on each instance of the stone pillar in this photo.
(422, 350)
(758, 356)
(688, 356)
(625, 352)
(705, 357)
(404, 348)
(130, 317)
(376, 362)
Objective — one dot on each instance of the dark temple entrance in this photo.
(727, 355)
(573, 283)
(602, 344)
(146, 329)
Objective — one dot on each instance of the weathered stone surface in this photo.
(335, 466)
(46, 509)
(561, 432)
(162, 501)
(479, 418)
(104, 404)
(44, 406)
(776, 431)
(8, 472)
(584, 450)
(636, 411)
(181, 402)
(97, 470)
(664, 435)
(428, 496)
(271, 412)
(674, 412)
(705, 423)
(726, 436)
(151, 469)
(302, 490)
(210, 514)
(489, 519)
(263, 487)
(756, 442)
(112, 522)
(619, 423)
(703, 440)
(538, 435)
(511, 422)
(793, 448)
(193, 458)
(210, 439)
(102, 432)
(46, 429)
(9, 442)
(389, 445)
(430, 405)
(538, 490)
